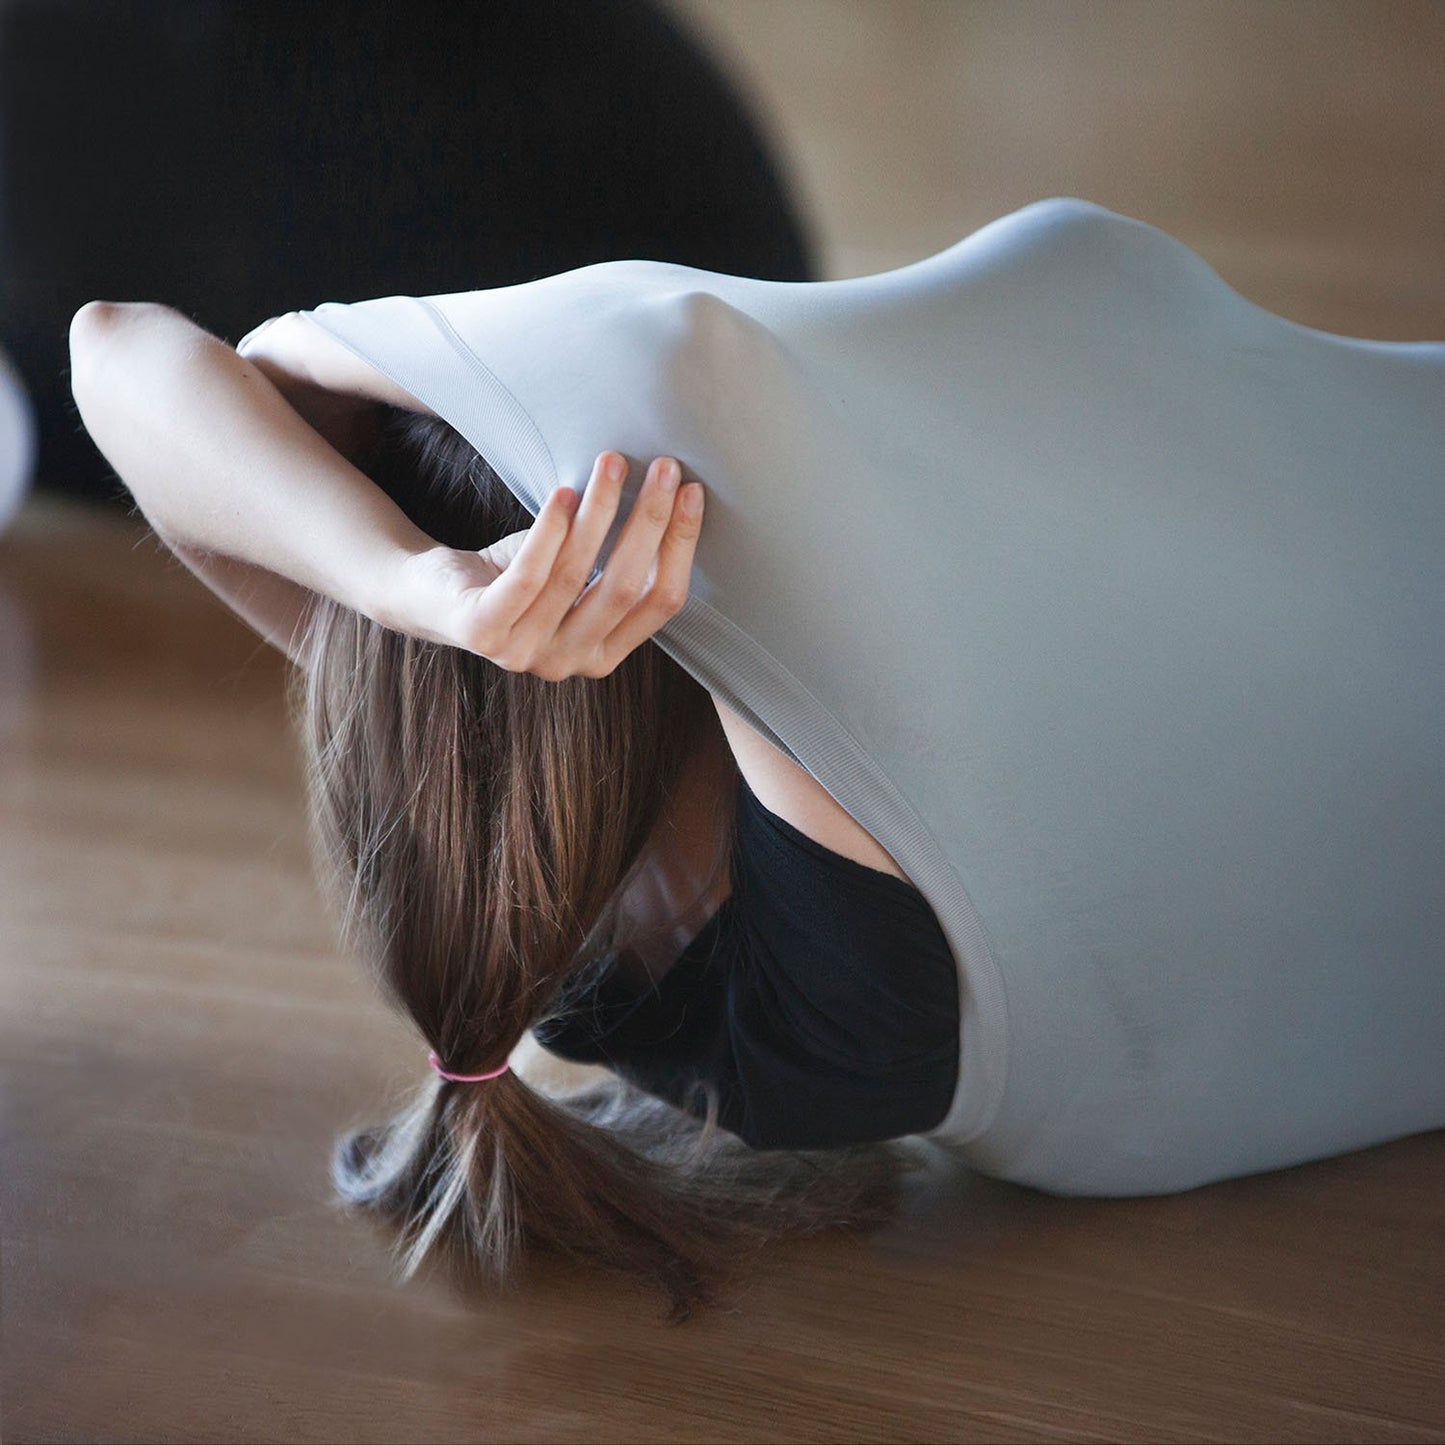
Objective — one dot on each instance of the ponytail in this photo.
(481, 1176)
(477, 828)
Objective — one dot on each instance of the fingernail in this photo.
(692, 501)
(669, 474)
(616, 469)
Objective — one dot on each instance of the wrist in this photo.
(402, 590)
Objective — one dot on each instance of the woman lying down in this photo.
(1033, 745)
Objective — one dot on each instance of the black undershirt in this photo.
(820, 1001)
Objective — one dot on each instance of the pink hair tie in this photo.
(436, 1063)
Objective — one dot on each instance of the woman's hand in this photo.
(235, 479)
(521, 602)
(515, 602)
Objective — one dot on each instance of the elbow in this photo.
(93, 330)
(90, 328)
(94, 321)
(94, 316)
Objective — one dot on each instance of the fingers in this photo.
(503, 603)
(537, 617)
(664, 599)
(645, 581)
(630, 565)
(575, 562)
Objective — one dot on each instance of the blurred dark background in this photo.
(240, 158)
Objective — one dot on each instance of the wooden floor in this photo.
(181, 1041)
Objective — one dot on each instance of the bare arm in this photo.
(274, 606)
(337, 395)
(235, 478)
(221, 463)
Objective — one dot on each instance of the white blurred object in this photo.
(17, 440)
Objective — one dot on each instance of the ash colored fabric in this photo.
(819, 1002)
(1110, 603)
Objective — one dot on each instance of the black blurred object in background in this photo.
(240, 158)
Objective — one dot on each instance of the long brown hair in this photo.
(477, 827)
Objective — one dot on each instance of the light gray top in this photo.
(1110, 603)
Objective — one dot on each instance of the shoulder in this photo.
(1064, 244)
(1065, 222)
(790, 791)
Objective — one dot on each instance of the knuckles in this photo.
(671, 599)
(628, 589)
(572, 578)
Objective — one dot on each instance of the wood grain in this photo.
(182, 1041)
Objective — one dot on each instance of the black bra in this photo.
(820, 1001)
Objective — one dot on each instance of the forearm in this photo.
(272, 605)
(219, 461)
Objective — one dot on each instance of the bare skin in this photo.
(283, 410)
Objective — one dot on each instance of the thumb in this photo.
(500, 554)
